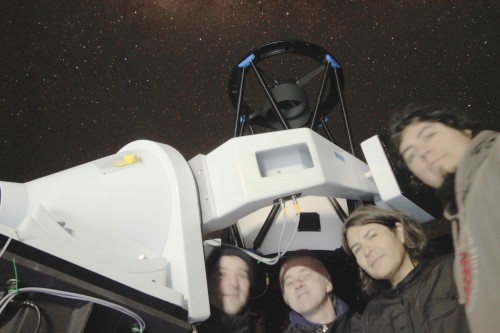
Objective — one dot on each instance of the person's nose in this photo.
(298, 283)
(367, 250)
(232, 280)
(423, 151)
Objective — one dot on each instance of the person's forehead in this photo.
(413, 132)
(363, 230)
(416, 126)
(364, 227)
(232, 262)
(297, 270)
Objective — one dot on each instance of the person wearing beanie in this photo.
(230, 278)
(308, 290)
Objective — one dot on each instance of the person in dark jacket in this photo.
(446, 151)
(308, 290)
(408, 292)
(230, 277)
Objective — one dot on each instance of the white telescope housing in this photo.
(137, 216)
(250, 172)
(132, 217)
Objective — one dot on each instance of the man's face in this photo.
(305, 290)
(432, 150)
(379, 251)
(230, 285)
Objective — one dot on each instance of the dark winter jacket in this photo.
(299, 324)
(219, 322)
(425, 301)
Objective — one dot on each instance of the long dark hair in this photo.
(415, 242)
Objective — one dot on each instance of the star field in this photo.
(82, 79)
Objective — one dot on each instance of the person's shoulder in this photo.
(496, 145)
(485, 140)
(292, 329)
(439, 269)
(206, 327)
(443, 259)
(349, 322)
(441, 262)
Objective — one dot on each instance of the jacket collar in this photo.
(408, 280)
(474, 156)
(297, 319)
(219, 319)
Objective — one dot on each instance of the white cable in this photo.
(285, 219)
(268, 261)
(217, 243)
(297, 220)
(33, 306)
(5, 301)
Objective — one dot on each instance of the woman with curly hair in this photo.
(408, 292)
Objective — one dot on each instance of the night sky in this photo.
(79, 80)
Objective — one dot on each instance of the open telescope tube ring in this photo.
(287, 101)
